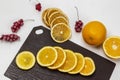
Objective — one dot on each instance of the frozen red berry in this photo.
(78, 26)
(18, 24)
(38, 7)
(9, 37)
(78, 23)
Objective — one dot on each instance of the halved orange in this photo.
(56, 14)
(47, 56)
(60, 60)
(25, 60)
(70, 62)
(111, 47)
(89, 67)
(59, 19)
(60, 32)
(80, 64)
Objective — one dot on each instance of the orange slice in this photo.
(60, 32)
(59, 19)
(44, 17)
(70, 62)
(52, 10)
(60, 60)
(80, 64)
(89, 67)
(111, 47)
(47, 56)
(25, 60)
(56, 14)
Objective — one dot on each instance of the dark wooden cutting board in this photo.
(34, 42)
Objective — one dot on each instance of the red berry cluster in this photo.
(38, 7)
(78, 26)
(10, 37)
(13, 37)
(78, 23)
(17, 25)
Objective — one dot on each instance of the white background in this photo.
(106, 11)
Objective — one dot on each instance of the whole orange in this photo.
(94, 33)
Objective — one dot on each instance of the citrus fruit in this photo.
(59, 19)
(111, 47)
(60, 32)
(56, 14)
(60, 60)
(89, 67)
(52, 10)
(49, 12)
(25, 60)
(47, 56)
(70, 62)
(44, 17)
(94, 33)
(80, 64)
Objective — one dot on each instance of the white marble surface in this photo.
(106, 11)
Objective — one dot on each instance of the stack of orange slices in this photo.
(65, 60)
(58, 22)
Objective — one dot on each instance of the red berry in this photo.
(16, 23)
(38, 6)
(21, 22)
(10, 37)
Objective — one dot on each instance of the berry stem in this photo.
(77, 12)
(36, 0)
(29, 20)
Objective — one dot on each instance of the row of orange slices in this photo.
(58, 22)
(65, 60)
(57, 58)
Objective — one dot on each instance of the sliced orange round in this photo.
(89, 67)
(80, 64)
(45, 18)
(52, 10)
(25, 60)
(47, 56)
(56, 14)
(70, 62)
(59, 19)
(60, 60)
(111, 47)
(60, 32)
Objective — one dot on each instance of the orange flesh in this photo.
(112, 47)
